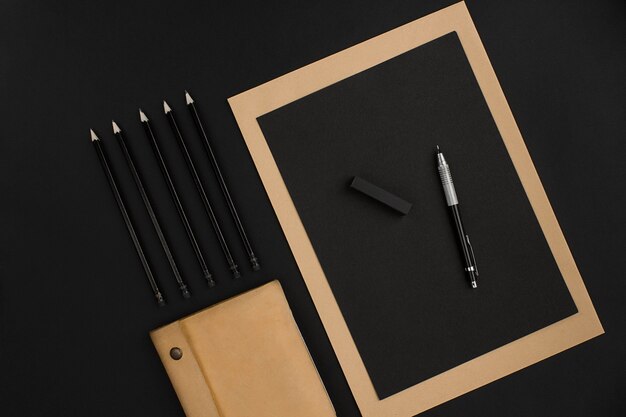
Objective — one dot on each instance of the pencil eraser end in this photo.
(185, 292)
(235, 271)
(256, 266)
(209, 279)
(160, 300)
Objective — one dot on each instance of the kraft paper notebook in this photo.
(243, 357)
(390, 288)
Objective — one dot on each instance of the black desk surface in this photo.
(74, 306)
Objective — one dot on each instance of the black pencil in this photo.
(129, 225)
(220, 178)
(203, 196)
(146, 201)
(179, 206)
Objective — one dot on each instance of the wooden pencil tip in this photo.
(93, 135)
(116, 128)
(166, 107)
(188, 98)
(142, 116)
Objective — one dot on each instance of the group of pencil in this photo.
(165, 171)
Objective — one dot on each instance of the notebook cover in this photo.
(243, 357)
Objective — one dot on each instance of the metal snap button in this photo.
(176, 353)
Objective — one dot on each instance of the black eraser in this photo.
(381, 195)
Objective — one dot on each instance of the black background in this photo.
(75, 307)
(399, 280)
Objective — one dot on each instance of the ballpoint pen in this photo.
(451, 199)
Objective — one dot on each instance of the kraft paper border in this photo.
(528, 350)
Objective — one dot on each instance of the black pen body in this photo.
(468, 257)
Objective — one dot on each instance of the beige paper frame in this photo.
(248, 106)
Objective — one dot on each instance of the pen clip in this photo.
(469, 244)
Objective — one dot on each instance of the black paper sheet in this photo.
(399, 280)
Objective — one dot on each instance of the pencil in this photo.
(169, 113)
(146, 201)
(172, 188)
(129, 225)
(220, 178)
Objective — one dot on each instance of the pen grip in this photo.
(448, 185)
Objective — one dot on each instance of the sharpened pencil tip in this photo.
(188, 98)
(142, 116)
(93, 135)
(166, 107)
(438, 151)
(116, 128)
